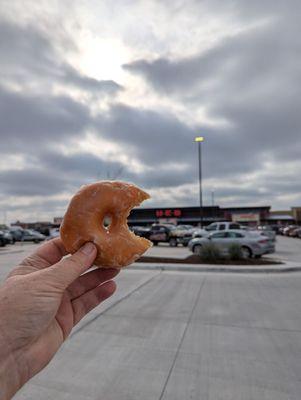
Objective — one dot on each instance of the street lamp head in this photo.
(199, 139)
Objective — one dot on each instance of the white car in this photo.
(217, 226)
(221, 226)
(55, 232)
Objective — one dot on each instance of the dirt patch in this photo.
(194, 259)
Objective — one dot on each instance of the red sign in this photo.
(159, 213)
(168, 213)
(177, 213)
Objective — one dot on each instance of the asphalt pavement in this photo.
(288, 249)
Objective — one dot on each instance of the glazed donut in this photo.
(94, 205)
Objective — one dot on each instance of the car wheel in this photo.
(185, 244)
(246, 252)
(2, 243)
(197, 249)
(36, 241)
(257, 256)
(155, 243)
(173, 242)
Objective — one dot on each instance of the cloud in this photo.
(249, 81)
(70, 76)
(236, 63)
(81, 166)
(31, 182)
(29, 121)
(159, 139)
(150, 135)
(235, 83)
(27, 54)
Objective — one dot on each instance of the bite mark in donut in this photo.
(87, 216)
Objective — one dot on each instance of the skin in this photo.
(40, 302)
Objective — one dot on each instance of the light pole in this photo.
(199, 140)
(212, 198)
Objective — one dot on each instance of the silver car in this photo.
(252, 243)
(268, 231)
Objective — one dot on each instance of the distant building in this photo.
(282, 217)
(296, 211)
(191, 215)
(251, 215)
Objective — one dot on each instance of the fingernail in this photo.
(88, 248)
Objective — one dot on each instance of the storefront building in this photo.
(251, 216)
(192, 216)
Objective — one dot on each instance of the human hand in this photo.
(40, 302)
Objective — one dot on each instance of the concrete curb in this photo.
(282, 268)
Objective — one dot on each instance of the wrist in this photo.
(7, 386)
(10, 378)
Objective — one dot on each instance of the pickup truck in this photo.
(216, 226)
(165, 233)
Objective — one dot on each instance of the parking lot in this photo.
(168, 335)
(287, 249)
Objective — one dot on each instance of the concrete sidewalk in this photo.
(180, 336)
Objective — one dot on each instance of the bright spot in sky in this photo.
(102, 58)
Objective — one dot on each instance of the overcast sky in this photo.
(95, 89)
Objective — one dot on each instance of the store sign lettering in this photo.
(168, 213)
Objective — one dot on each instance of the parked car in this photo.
(216, 226)
(252, 243)
(183, 234)
(275, 228)
(281, 229)
(53, 233)
(16, 232)
(288, 229)
(294, 232)
(268, 231)
(221, 226)
(163, 233)
(8, 237)
(198, 233)
(141, 231)
(29, 235)
(3, 241)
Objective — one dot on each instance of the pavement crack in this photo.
(182, 339)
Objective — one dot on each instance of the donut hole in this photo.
(106, 222)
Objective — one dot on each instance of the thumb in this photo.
(68, 269)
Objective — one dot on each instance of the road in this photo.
(178, 336)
